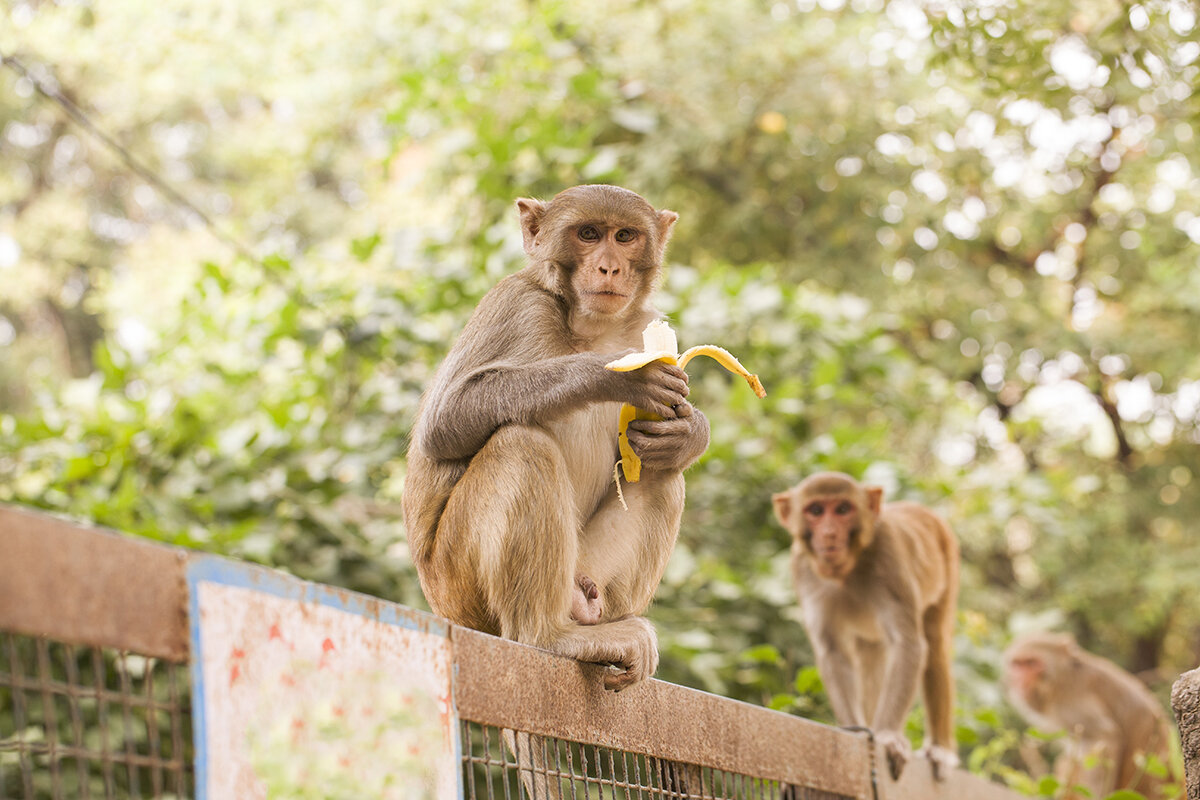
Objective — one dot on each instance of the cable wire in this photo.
(81, 118)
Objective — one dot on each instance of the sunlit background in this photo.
(957, 241)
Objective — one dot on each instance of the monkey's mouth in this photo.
(832, 555)
(606, 301)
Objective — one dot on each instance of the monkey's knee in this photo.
(524, 445)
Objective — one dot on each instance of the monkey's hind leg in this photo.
(509, 531)
(938, 691)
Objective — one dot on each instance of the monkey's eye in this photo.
(625, 235)
(589, 233)
(843, 508)
(814, 510)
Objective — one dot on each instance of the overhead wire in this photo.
(49, 89)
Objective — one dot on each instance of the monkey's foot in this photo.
(586, 606)
(943, 760)
(629, 648)
(897, 749)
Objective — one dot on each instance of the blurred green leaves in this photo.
(958, 244)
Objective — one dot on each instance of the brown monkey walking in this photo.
(511, 510)
(1111, 719)
(878, 586)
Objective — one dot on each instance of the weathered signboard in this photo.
(301, 691)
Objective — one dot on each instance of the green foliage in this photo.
(957, 245)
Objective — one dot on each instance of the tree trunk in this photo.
(1185, 700)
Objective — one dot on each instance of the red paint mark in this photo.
(238, 653)
(274, 633)
(338, 711)
(234, 673)
(287, 679)
(344, 761)
(413, 750)
(327, 645)
(297, 729)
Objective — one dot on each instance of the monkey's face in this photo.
(1027, 678)
(831, 531)
(1022, 672)
(609, 271)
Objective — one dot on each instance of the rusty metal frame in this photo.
(92, 587)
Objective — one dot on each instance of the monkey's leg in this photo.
(906, 654)
(508, 536)
(626, 551)
(938, 690)
(512, 525)
(871, 661)
(841, 678)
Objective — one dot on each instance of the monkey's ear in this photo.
(666, 221)
(531, 212)
(875, 498)
(783, 507)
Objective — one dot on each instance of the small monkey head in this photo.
(1036, 667)
(832, 516)
(600, 247)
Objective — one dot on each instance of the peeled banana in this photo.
(659, 344)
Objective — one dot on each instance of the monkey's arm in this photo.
(838, 671)
(906, 650)
(465, 409)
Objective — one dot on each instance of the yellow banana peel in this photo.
(659, 344)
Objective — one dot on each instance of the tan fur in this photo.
(1111, 719)
(879, 608)
(511, 511)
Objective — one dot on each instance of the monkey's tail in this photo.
(529, 752)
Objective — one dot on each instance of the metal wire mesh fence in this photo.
(516, 766)
(87, 722)
(98, 705)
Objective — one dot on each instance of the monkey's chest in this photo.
(587, 439)
(857, 617)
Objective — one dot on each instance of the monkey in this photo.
(877, 585)
(510, 503)
(1111, 720)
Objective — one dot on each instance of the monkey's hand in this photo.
(942, 759)
(670, 444)
(659, 346)
(657, 387)
(897, 749)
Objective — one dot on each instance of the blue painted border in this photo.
(226, 572)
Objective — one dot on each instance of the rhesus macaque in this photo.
(1110, 718)
(510, 504)
(877, 586)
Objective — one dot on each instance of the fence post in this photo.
(1185, 700)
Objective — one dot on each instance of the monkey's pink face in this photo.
(1022, 673)
(829, 525)
(606, 278)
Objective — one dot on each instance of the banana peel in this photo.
(659, 344)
